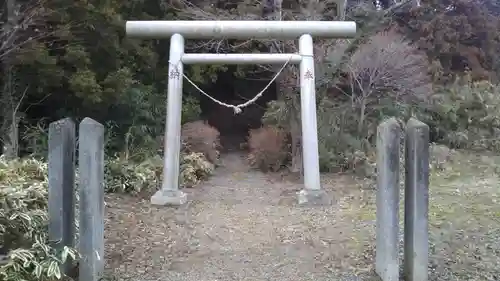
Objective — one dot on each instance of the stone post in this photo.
(387, 247)
(61, 160)
(416, 229)
(91, 187)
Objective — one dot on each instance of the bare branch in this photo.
(255, 10)
(387, 64)
(25, 24)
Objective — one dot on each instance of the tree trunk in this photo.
(294, 121)
(296, 136)
(362, 113)
(11, 146)
(10, 122)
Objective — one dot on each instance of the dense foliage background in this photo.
(72, 59)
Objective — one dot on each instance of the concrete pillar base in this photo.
(313, 197)
(169, 197)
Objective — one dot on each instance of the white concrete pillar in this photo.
(312, 188)
(170, 193)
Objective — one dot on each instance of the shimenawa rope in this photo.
(237, 108)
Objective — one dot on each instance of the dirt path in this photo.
(242, 225)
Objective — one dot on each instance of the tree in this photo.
(461, 35)
(386, 67)
(71, 59)
(22, 24)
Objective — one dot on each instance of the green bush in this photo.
(126, 176)
(25, 252)
(340, 147)
(194, 169)
(465, 115)
(24, 224)
(191, 109)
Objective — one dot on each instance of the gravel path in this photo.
(242, 225)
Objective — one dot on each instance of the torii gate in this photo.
(178, 30)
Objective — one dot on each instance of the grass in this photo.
(464, 216)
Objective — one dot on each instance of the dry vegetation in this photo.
(199, 136)
(268, 149)
(465, 216)
(387, 66)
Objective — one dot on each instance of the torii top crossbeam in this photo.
(240, 29)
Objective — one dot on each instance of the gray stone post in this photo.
(416, 229)
(61, 160)
(387, 247)
(91, 187)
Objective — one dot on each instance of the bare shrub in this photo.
(267, 148)
(387, 67)
(199, 136)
